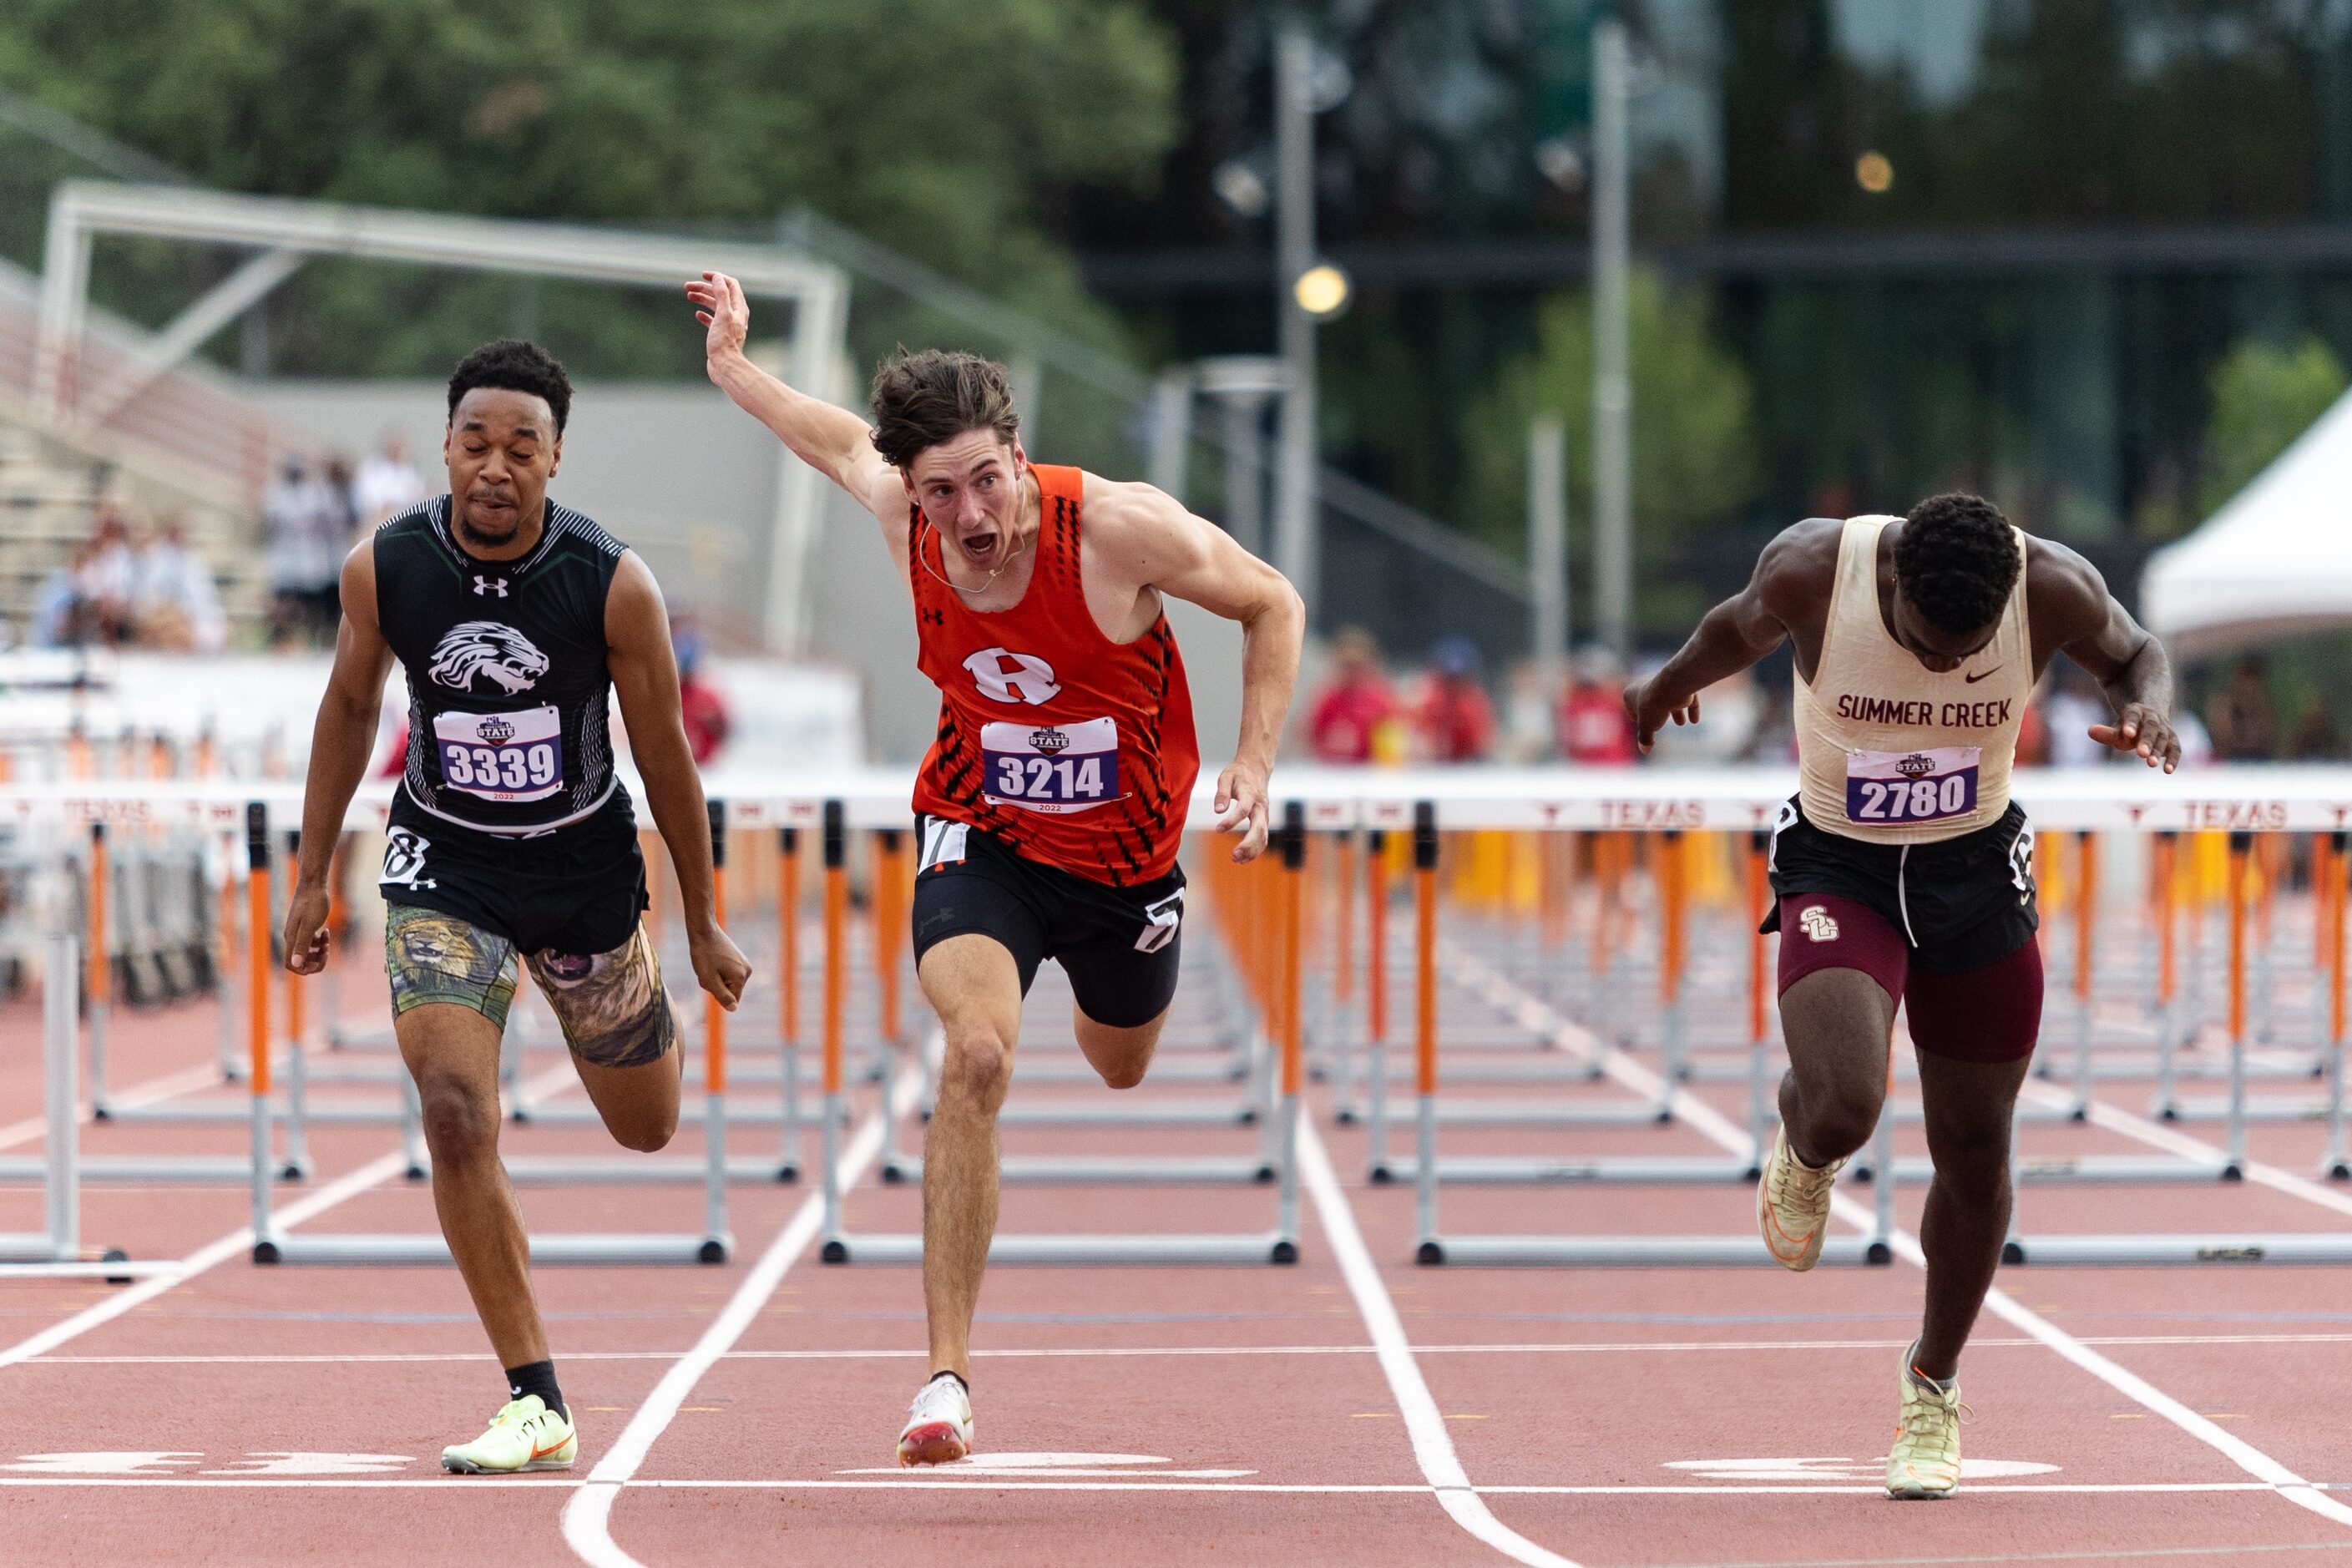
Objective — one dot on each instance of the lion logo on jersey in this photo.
(489, 648)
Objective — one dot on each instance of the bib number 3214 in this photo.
(1051, 768)
(1935, 783)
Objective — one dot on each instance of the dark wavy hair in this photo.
(923, 399)
(512, 364)
(1956, 560)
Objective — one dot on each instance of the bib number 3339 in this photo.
(501, 756)
(1935, 783)
(1052, 768)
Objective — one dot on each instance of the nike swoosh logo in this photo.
(1973, 679)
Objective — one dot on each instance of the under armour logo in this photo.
(486, 585)
(1817, 923)
(1030, 680)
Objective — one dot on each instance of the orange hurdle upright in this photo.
(715, 1241)
(835, 997)
(256, 906)
(1424, 1029)
(2332, 899)
(100, 970)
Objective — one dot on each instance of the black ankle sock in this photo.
(538, 1378)
(961, 1382)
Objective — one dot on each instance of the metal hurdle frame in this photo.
(56, 1251)
(1633, 1170)
(274, 1245)
(1434, 1248)
(1279, 1246)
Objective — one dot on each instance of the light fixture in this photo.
(1322, 290)
(1874, 174)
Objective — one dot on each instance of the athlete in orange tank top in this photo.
(1076, 750)
(1052, 802)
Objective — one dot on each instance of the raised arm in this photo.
(1147, 538)
(833, 441)
(645, 678)
(2072, 612)
(1734, 635)
(342, 738)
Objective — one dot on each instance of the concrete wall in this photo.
(689, 482)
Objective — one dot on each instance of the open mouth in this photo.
(980, 547)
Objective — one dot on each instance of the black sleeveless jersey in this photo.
(508, 691)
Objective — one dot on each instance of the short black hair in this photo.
(513, 365)
(1956, 560)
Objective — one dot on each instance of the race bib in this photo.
(1055, 768)
(1934, 784)
(502, 757)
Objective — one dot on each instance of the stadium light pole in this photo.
(1612, 389)
(1295, 499)
(1548, 541)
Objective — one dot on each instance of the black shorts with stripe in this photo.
(1117, 945)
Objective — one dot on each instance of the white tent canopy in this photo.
(2275, 561)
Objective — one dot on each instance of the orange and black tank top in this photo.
(1076, 751)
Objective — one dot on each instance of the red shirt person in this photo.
(1593, 728)
(1456, 718)
(1357, 706)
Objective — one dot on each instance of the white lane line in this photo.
(171, 1084)
(309, 1206)
(1704, 1119)
(588, 1516)
(583, 1484)
(208, 1257)
(1604, 1347)
(1433, 1448)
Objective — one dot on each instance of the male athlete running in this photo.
(512, 838)
(1904, 871)
(1050, 805)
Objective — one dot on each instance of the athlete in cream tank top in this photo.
(1887, 750)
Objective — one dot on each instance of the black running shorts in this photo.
(578, 890)
(1117, 945)
(1959, 904)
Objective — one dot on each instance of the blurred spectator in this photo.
(1774, 743)
(1454, 716)
(1527, 726)
(387, 482)
(2243, 722)
(62, 616)
(1356, 718)
(173, 598)
(699, 703)
(344, 498)
(2074, 706)
(1594, 731)
(307, 529)
(2033, 727)
(2195, 743)
(2315, 732)
(108, 578)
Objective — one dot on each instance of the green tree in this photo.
(1695, 446)
(946, 129)
(2264, 397)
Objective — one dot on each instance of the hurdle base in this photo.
(1090, 1113)
(1518, 1113)
(2259, 1108)
(2173, 1251)
(1082, 1251)
(596, 1170)
(374, 1250)
(98, 1169)
(1074, 1169)
(1636, 1251)
(1632, 1170)
(115, 1271)
(2089, 1170)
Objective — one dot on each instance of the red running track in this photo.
(246, 1415)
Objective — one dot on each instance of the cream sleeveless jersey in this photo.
(1888, 751)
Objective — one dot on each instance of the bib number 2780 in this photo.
(1934, 784)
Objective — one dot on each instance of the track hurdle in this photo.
(274, 1245)
(1266, 900)
(56, 1251)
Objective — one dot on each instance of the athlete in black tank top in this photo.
(511, 840)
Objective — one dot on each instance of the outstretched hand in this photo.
(2142, 730)
(720, 306)
(1650, 705)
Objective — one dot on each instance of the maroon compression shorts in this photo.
(1988, 1015)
